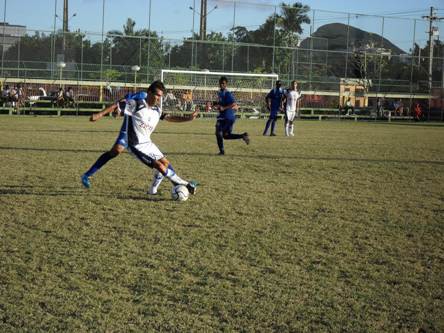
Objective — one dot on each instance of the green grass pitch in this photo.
(340, 228)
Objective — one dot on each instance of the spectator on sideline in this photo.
(418, 112)
(187, 100)
(14, 95)
(274, 105)
(60, 97)
(42, 92)
(348, 107)
(69, 95)
(379, 107)
(399, 108)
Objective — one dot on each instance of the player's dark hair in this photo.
(156, 85)
(223, 79)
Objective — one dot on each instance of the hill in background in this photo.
(336, 33)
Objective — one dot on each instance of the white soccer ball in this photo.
(180, 193)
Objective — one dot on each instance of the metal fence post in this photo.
(3, 44)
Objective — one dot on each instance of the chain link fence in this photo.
(390, 55)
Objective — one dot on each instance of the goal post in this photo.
(186, 88)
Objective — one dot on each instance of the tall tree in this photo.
(280, 29)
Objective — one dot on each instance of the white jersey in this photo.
(292, 97)
(142, 121)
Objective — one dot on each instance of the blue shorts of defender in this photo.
(225, 125)
(122, 139)
(274, 114)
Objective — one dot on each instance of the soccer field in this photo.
(337, 229)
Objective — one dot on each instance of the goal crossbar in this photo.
(273, 75)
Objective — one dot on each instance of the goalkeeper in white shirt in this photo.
(291, 97)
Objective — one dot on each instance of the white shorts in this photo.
(146, 152)
(290, 115)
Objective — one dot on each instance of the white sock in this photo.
(291, 129)
(157, 179)
(175, 179)
(287, 129)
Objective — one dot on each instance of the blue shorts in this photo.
(225, 125)
(274, 114)
(122, 139)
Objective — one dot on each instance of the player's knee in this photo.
(117, 149)
(112, 153)
(161, 165)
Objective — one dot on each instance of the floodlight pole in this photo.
(192, 34)
(149, 45)
(101, 52)
(203, 19)
(135, 69)
(61, 65)
(3, 43)
(431, 18)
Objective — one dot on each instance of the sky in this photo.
(173, 19)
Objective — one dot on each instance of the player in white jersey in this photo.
(291, 97)
(143, 117)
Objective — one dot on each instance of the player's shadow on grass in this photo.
(243, 156)
(185, 133)
(306, 158)
(115, 131)
(426, 125)
(63, 150)
(64, 131)
(70, 191)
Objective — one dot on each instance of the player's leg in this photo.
(291, 116)
(273, 124)
(151, 156)
(220, 136)
(116, 150)
(157, 180)
(118, 147)
(287, 123)
(229, 135)
(267, 125)
(166, 169)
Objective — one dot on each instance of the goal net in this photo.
(186, 89)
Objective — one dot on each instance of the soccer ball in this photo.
(179, 193)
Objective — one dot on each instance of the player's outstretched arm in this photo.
(99, 115)
(182, 118)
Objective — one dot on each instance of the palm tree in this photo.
(293, 16)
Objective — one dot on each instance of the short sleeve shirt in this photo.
(226, 98)
(276, 97)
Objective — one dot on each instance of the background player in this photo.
(274, 105)
(226, 105)
(290, 100)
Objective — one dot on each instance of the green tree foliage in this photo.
(130, 46)
(280, 29)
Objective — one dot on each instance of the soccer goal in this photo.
(185, 89)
